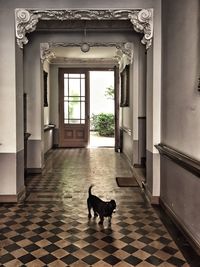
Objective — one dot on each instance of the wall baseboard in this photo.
(20, 196)
(55, 146)
(34, 170)
(154, 200)
(194, 243)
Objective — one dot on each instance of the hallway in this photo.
(51, 227)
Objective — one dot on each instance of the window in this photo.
(74, 98)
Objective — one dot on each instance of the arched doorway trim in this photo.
(26, 20)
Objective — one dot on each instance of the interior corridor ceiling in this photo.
(84, 28)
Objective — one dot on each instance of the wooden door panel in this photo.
(74, 136)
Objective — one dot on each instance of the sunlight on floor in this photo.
(100, 141)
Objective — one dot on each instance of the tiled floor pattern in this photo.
(51, 227)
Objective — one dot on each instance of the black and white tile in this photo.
(51, 227)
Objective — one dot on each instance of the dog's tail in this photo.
(89, 190)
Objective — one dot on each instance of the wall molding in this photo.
(34, 170)
(126, 130)
(26, 20)
(178, 222)
(46, 53)
(180, 158)
(19, 197)
(49, 127)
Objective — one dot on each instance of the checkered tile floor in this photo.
(51, 227)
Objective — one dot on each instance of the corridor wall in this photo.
(180, 188)
(11, 136)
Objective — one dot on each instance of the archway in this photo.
(142, 21)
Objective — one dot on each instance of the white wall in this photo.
(133, 145)
(180, 188)
(48, 140)
(7, 83)
(32, 85)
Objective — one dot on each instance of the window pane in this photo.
(65, 75)
(74, 75)
(65, 87)
(74, 87)
(74, 110)
(65, 110)
(74, 121)
(83, 75)
(82, 110)
(83, 87)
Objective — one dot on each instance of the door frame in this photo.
(115, 69)
(81, 143)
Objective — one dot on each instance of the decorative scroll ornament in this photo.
(46, 53)
(143, 22)
(26, 20)
(124, 55)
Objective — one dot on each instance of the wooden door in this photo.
(73, 107)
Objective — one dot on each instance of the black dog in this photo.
(100, 207)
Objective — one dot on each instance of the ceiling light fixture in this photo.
(85, 47)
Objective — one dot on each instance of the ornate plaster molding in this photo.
(93, 61)
(143, 23)
(46, 53)
(124, 55)
(26, 20)
(124, 50)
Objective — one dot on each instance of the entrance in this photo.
(102, 109)
(76, 117)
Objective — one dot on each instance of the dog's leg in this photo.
(101, 219)
(95, 213)
(89, 209)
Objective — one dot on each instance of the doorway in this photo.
(87, 107)
(102, 108)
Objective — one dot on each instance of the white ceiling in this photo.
(75, 52)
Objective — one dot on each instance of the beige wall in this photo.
(181, 68)
(181, 111)
(7, 83)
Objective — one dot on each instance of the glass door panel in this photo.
(74, 98)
